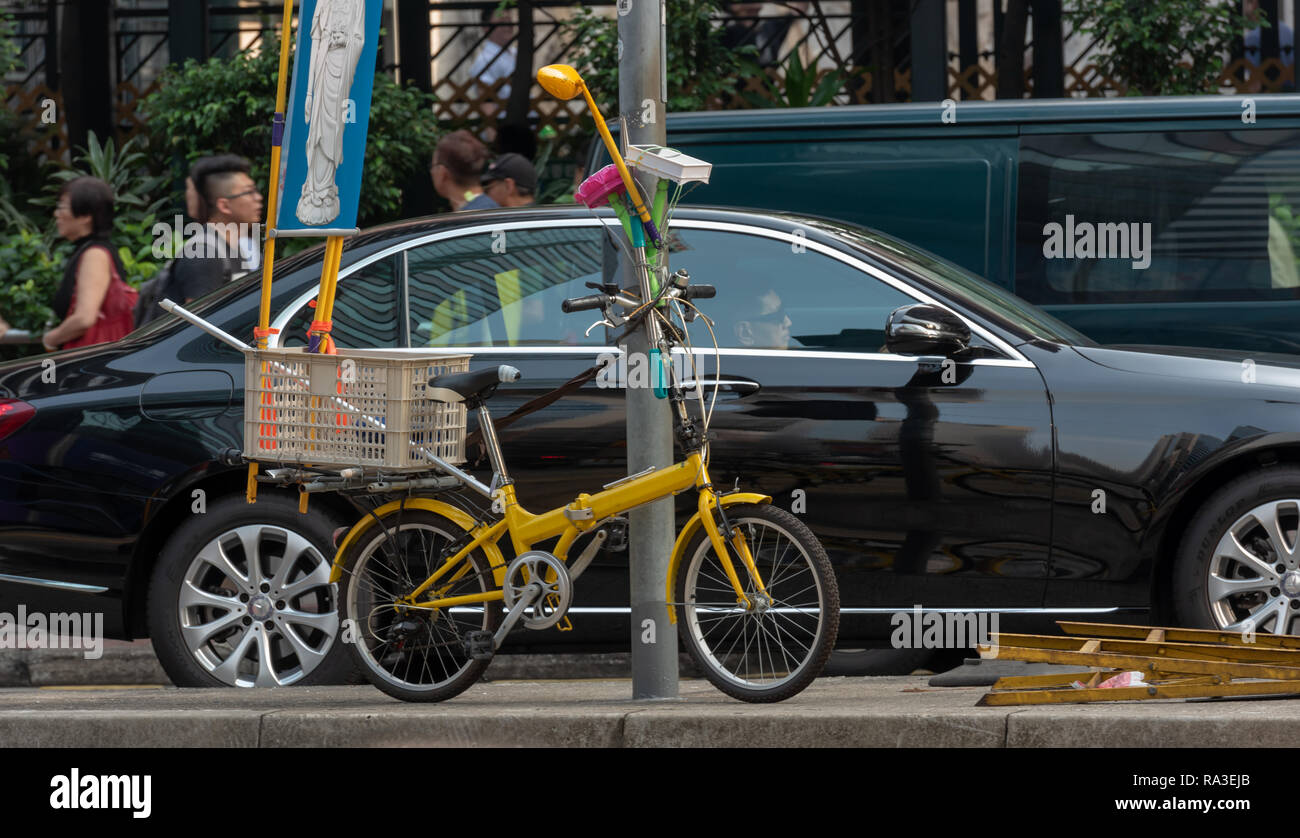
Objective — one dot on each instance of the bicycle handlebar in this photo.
(583, 303)
(594, 301)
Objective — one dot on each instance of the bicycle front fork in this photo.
(726, 535)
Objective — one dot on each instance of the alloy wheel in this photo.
(1253, 581)
(256, 607)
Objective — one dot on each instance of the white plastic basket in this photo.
(361, 407)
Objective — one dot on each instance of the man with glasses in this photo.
(229, 205)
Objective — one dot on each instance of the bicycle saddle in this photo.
(473, 388)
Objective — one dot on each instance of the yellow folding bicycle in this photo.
(431, 590)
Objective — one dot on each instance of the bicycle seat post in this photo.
(500, 476)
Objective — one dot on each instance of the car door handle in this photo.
(740, 387)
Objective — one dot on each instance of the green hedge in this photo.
(226, 106)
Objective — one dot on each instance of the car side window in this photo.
(775, 294)
(504, 288)
(365, 310)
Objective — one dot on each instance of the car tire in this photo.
(1238, 559)
(218, 620)
(876, 661)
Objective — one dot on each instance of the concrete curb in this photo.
(833, 712)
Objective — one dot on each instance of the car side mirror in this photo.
(924, 329)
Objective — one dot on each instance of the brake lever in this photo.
(602, 322)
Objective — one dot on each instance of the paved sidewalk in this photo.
(833, 712)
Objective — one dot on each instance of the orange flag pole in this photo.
(329, 278)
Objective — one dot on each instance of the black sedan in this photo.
(1016, 467)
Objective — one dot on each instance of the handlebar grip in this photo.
(700, 292)
(583, 303)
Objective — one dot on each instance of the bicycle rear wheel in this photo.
(415, 654)
(776, 647)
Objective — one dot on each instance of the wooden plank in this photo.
(1145, 663)
(1197, 651)
(1181, 635)
(1056, 679)
(1153, 692)
(1028, 682)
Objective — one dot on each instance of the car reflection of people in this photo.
(763, 324)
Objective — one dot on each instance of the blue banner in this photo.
(329, 115)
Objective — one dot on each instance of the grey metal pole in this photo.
(642, 101)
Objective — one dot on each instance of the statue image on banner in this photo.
(337, 35)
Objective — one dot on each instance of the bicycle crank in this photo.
(543, 579)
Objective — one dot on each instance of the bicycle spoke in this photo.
(798, 567)
(760, 646)
(811, 632)
(738, 624)
(724, 584)
(716, 623)
(390, 577)
(776, 628)
(809, 587)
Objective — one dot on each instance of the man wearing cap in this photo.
(511, 181)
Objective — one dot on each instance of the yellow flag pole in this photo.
(273, 188)
(263, 330)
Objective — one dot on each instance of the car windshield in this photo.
(979, 292)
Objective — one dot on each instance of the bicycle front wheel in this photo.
(415, 654)
(773, 648)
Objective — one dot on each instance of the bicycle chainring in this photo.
(557, 588)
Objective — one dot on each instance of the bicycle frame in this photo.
(585, 513)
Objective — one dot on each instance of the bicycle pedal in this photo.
(480, 645)
(564, 625)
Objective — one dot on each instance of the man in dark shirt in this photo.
(458, 164)
(231, 211)
(511, 181)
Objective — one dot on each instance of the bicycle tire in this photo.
(414, 656)
(800, 625)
